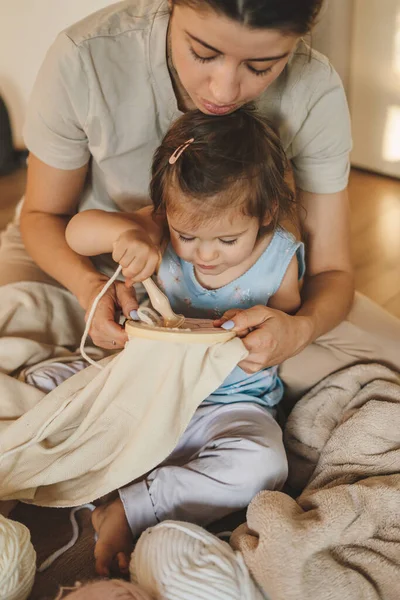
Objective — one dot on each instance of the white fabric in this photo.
(100, 430)
(178, 561)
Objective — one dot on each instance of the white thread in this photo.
(149, 316)
(75, 534)
(17, 561)
(177, 561)
(90, 318)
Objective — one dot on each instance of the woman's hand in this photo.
(271, 336)
(136, 254)
(105, 330)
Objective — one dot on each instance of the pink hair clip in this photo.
(175, 155)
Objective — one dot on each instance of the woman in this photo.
(108, 90)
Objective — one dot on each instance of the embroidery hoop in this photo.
(194, 331)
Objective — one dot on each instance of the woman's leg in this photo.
(15, 263)
(369, 334)
(227, 454)
(39, 319)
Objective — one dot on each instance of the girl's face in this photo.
(222, 64)
(214, 245)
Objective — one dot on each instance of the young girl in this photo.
(219, 197)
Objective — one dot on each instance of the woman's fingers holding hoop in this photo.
(270, 335)
(125, 298)
(105, 331)
(227, 318)
(261, 329)
(243, 322)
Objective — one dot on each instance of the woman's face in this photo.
(222, 64)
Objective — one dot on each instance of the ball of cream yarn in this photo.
(17, 561)
(178, 561)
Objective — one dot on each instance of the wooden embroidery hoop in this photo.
(194, 331)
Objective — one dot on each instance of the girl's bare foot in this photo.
(114, 538)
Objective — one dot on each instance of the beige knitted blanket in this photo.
(340, 540)
(100, 429)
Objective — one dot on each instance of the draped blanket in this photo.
(340, 539)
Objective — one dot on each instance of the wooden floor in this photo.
(375, 224)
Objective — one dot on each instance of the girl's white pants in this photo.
(228, 453)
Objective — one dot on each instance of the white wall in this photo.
(333, 35)
(27, 28)
(375, 86)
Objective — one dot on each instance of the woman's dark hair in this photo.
(235, 160)
(291, 16)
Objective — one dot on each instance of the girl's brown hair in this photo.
(235, 160)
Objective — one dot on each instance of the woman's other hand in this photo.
(119, 299)
(137, 255)
(271, 336)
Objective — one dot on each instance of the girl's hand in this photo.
(271, 336)
(105, 330)
(137, 255)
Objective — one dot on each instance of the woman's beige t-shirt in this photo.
(104, 95)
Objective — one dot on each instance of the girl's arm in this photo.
(94, 232)
(132, 238)
(287, 298)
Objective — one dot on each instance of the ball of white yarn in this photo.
(17, 561)
(177, 561)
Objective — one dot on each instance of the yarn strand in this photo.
(75, 534)
(90, 318)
